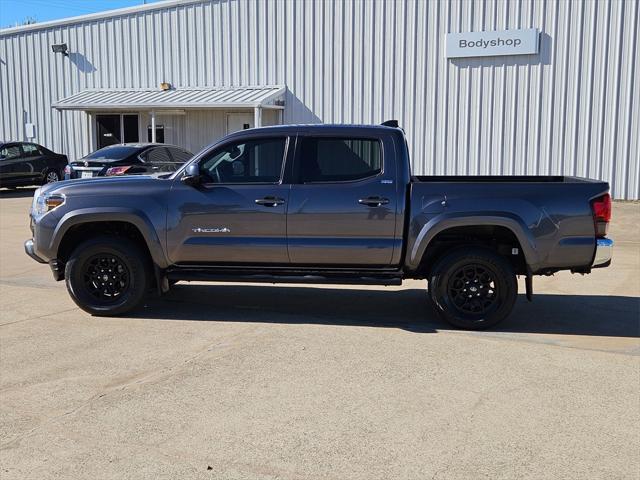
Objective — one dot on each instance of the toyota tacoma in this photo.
(319, 204)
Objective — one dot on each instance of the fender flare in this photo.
(114, 214)
(444, 222)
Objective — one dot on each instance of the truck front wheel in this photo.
(473, 288)
(107, 275)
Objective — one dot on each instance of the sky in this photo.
(16, 11)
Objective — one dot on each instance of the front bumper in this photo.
(29, 248)
(604, 251)
(57, 267)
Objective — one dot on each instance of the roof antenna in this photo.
(390, 123)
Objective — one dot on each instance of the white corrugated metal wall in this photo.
(573, 109)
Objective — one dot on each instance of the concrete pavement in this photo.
(235, 381)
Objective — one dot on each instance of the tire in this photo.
(473, 288)
(107, 275)
(51, 176)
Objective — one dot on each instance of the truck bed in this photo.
(553, 213)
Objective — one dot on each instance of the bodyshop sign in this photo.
(486, 44)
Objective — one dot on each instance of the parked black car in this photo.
(23, 163)
(129, 159)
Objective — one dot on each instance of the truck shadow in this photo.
(408, 309)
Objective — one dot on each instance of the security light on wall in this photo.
(60, 48)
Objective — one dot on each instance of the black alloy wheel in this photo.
(473, 288)
(108, 275)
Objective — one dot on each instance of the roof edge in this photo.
(97, 16)
(71, 102)
(281, 88)
(93, 107)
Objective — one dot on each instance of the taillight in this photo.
(67, 169)
(601, 208)
(117, 170)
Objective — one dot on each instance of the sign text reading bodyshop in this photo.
(485, 44)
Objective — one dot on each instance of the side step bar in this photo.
(203, 275)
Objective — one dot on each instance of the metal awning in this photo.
(180, 98)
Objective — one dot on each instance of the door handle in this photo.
(270, 201)
(373, 201)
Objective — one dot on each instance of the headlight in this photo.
(46, 202)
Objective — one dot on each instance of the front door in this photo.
(130, 128)
(13, 167)
(238, 214)
(342, 209)
(108, 127)
(239, 121)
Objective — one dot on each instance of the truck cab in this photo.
(305, 197)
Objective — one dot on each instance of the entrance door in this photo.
(108, 130)
(130, 128)
(115, 128)
(239, 121)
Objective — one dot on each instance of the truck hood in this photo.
(117, 185)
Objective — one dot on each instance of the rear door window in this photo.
(160, 160)
(30, 150)
(158, 156)
(339, 159)
(179, 155)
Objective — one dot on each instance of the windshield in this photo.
(112, 153)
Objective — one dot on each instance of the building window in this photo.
(159, 133)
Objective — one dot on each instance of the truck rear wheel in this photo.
(473, 288)
(107, 275)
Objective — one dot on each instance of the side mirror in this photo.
(191, 175)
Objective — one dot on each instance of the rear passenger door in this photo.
(342, 206)
(23, 166)
(34, 162)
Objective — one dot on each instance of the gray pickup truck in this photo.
(319, 204)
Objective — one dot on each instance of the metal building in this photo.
(187, 72)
